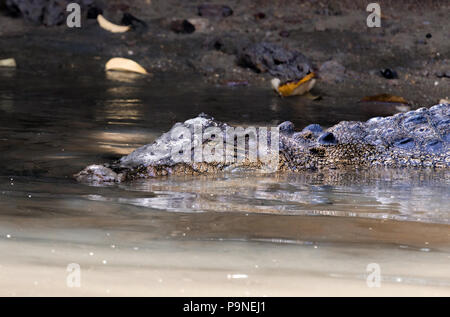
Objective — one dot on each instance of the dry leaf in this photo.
(386, 98)
(444, 100)
(111, 27)
(8, 62)
(294, 88)
(124, 64)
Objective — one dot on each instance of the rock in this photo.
(276, 60)
(201, 24)
(182, 26)
(93, 12)
(259, 16)
(135, 23)
(214, 10)
(389, 73)
(441, 74)
(46, 12)
(329, 9)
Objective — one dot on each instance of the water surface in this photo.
(312, 233)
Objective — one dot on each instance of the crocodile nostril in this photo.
(327, 138)
(434, 146)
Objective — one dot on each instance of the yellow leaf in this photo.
(295, 87)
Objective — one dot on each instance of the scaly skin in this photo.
(419, 139)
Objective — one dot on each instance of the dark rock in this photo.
(93, 12)
(428, 36)
(278, 61)
(135, 23)
(46, 12)
(389, 73)
(259, 15)
(284, 33)
(182, 26)
(441, 74)
(330, 9)
(214, 10)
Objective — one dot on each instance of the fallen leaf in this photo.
(295, 87)
(124, 64)
(444, 100)
(8, 62)
(111, 27)
(386, 98)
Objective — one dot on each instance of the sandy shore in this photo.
(36, 265)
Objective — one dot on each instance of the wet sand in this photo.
(36, 266)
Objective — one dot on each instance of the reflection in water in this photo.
(120, 143)
(124, 77)
(420, 197)
(123, 112)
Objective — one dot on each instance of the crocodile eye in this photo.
(417, 119)
(405, 143)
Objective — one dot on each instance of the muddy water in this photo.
(228, 234)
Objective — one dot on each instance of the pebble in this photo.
(389, 73)
(182, 27)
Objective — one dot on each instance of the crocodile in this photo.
(414, 139)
